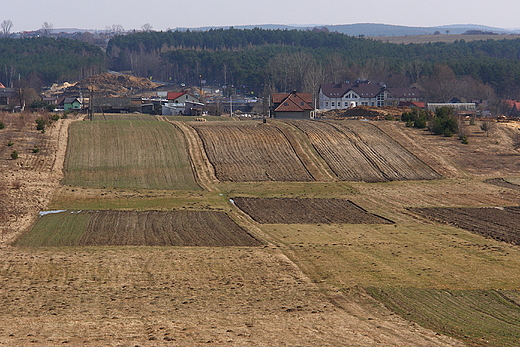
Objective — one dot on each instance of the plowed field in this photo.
(359, 151)
(251, 152)
(306, 211)
(501, 223)
(146, 228)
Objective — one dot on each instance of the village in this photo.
(113, 92)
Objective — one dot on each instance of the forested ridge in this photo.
(48, 60)
(284, 58)
(258, 60)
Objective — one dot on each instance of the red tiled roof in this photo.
(293, 102)
(174, 95)
(413, 104)
(1, 85)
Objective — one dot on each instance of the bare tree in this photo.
(117, 29)
(47, 29)
(487, 127)
(147, 27)
(5, 27)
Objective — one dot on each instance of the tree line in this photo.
(296, 59)
(262, 61)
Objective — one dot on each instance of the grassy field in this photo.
(128, 154)
(478, 317)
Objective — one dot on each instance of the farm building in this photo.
(7, 96)
(363, 93)
(293, 105)
(460, 108)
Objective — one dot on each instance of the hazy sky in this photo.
(164, 14)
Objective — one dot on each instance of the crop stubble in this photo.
(251, 152)
(359, 151)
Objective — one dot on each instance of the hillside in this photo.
(258, 261)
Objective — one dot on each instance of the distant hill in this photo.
(374, 29)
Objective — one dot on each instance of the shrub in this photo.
(40, 124)
(10, 143)
(14, 155)
(35, 149)
(2, 125)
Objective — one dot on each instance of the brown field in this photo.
(132, 228)
(499, 223)
(485, 156)
(503, 183)
(250, 151)
(306, 211)
(359, 151)
(305, 286)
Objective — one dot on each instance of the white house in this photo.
(362, 93)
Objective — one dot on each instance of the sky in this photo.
(170, 14)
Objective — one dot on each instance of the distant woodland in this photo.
(259, 61)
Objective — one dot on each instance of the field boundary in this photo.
(202, 167)
(314, 163)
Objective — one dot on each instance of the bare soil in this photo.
(500, 182)
(502, 223)
(306, 211)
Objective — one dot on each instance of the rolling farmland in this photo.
(329, 216)
(251, 152)
(128, 154)
(358, 151)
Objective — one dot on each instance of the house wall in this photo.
(294, 115)
(328, 103)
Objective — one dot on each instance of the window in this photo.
(346, 104)
(327, 104)
(332, 103)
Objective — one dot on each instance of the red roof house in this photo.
(292, 105)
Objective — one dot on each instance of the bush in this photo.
(10, 143)
(40, 124)
(2, 125)
(35, 149)
(14, 155)
(444, 122)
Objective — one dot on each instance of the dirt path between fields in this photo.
(202, 168)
